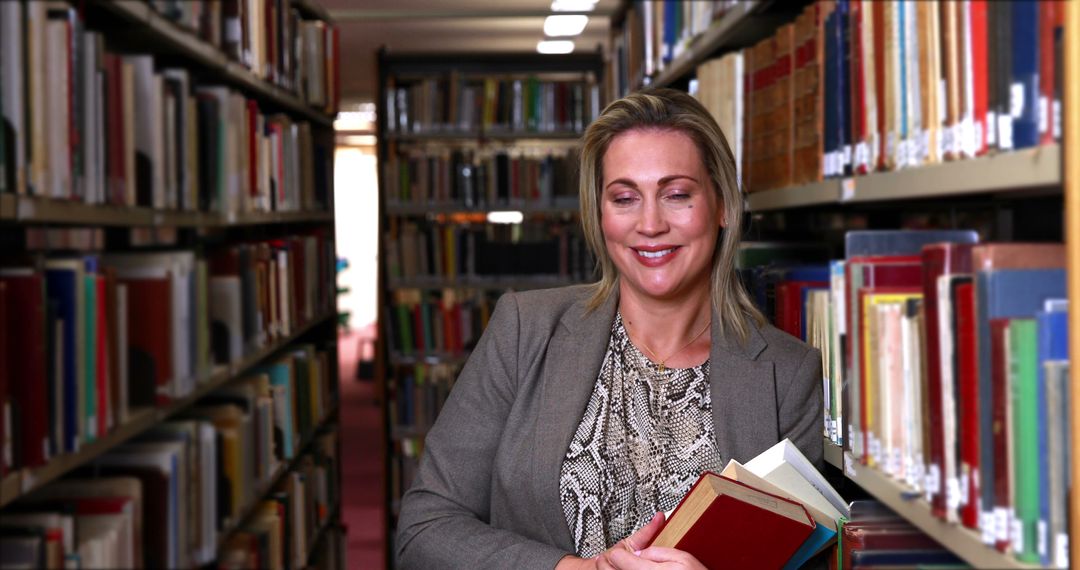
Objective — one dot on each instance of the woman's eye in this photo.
(623, 200)
(679, 196)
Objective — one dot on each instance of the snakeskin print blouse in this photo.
(644, 440)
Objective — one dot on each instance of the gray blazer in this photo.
(486, 494)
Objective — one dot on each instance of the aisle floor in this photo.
(363, 503)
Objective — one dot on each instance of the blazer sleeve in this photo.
(801, 408)
(444, 520)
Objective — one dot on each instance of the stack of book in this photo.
(874, 536)
(106, 334)
(88, 122)
(946, 369)
(469, 251)
(852, 87)
(485, 178)
(467, 104)
(447, 321)
(170, 497)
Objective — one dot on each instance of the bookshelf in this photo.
(428, 219)
(298, 322)
(1009, 180)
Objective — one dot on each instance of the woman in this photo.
(584, 411)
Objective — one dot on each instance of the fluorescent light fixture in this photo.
(556, 26)
(573, 5)
(555, 46)
(505, 217)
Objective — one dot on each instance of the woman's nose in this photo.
(652, 221)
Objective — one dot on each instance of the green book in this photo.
(1023, 380)
(428, 332)
(90, 362)
(404, 329)
(202, 315)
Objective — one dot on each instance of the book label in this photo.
(1044, 114)
(1016, 100)
(1016, 529)
(965, 485)
(1057, 119)
(1061, 550)
(986, 526)
(849, 466)
(1001, 524)
(1005, 137)
(952, 493)
(991, 128)
(1043, 539)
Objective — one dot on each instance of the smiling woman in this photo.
(585, 411)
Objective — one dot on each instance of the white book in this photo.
(786, 467)
(57, 61)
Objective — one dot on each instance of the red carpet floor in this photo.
(363, 502)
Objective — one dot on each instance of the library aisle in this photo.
(362, 497)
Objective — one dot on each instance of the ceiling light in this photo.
(555, 46)
(573, 5)
(505, 217)
(555, 26)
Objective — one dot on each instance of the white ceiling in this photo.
(411, 26)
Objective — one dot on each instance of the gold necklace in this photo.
(663, 361)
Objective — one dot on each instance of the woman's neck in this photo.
(663, 326)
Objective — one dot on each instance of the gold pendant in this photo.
(661, 369)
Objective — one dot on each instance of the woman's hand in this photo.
(634, 553)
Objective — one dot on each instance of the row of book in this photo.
(449, 321)
(653, 33)
(459, 103)
(946, 367)
(272, 39)
(874, 536)
(469, 251)
(170, 497)
(853, 87)
(483, 178)
(101, 335)
(84, 121)
(419, 394)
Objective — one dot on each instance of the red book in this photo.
(727, 524)
(1047, 23)
(967, 356)
(150, 340)
(939, 259)
(1001, 428)
(858, 99)
(979, 73)
(25, 312)
(879, 83)
(790, 308)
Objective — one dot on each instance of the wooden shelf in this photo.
(1037, 167)
(139, 420)
(399, 209)
(36, 209)
(717, 36)
(960, 540)
(492, 283)
(178, 40)
(834, 454)
(309, 9)
(268, 485)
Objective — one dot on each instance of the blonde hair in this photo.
(669, 109)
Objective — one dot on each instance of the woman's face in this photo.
(659, 213)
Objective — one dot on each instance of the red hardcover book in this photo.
(114, 93)
(999, 398)
(979, 73)
(939, 259)
(879, 84)
(789, 305)
(1047, 23)
(25, 312)
(150, 340)
(967, 356)
(102, 360)
(727, 524)
(253, 147)
(858, 93)
(883, 536)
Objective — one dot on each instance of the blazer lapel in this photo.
(743, 396)
(571, 366)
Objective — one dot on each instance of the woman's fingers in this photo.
(644, 536)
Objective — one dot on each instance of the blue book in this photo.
(1053, 344)
(671, 31)
(900, 242)
(843, 98)
(1024, 89)
(1004, 294)
(821, 536)
(63, 286)
(830, 86)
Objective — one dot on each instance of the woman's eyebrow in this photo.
(661, 182)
